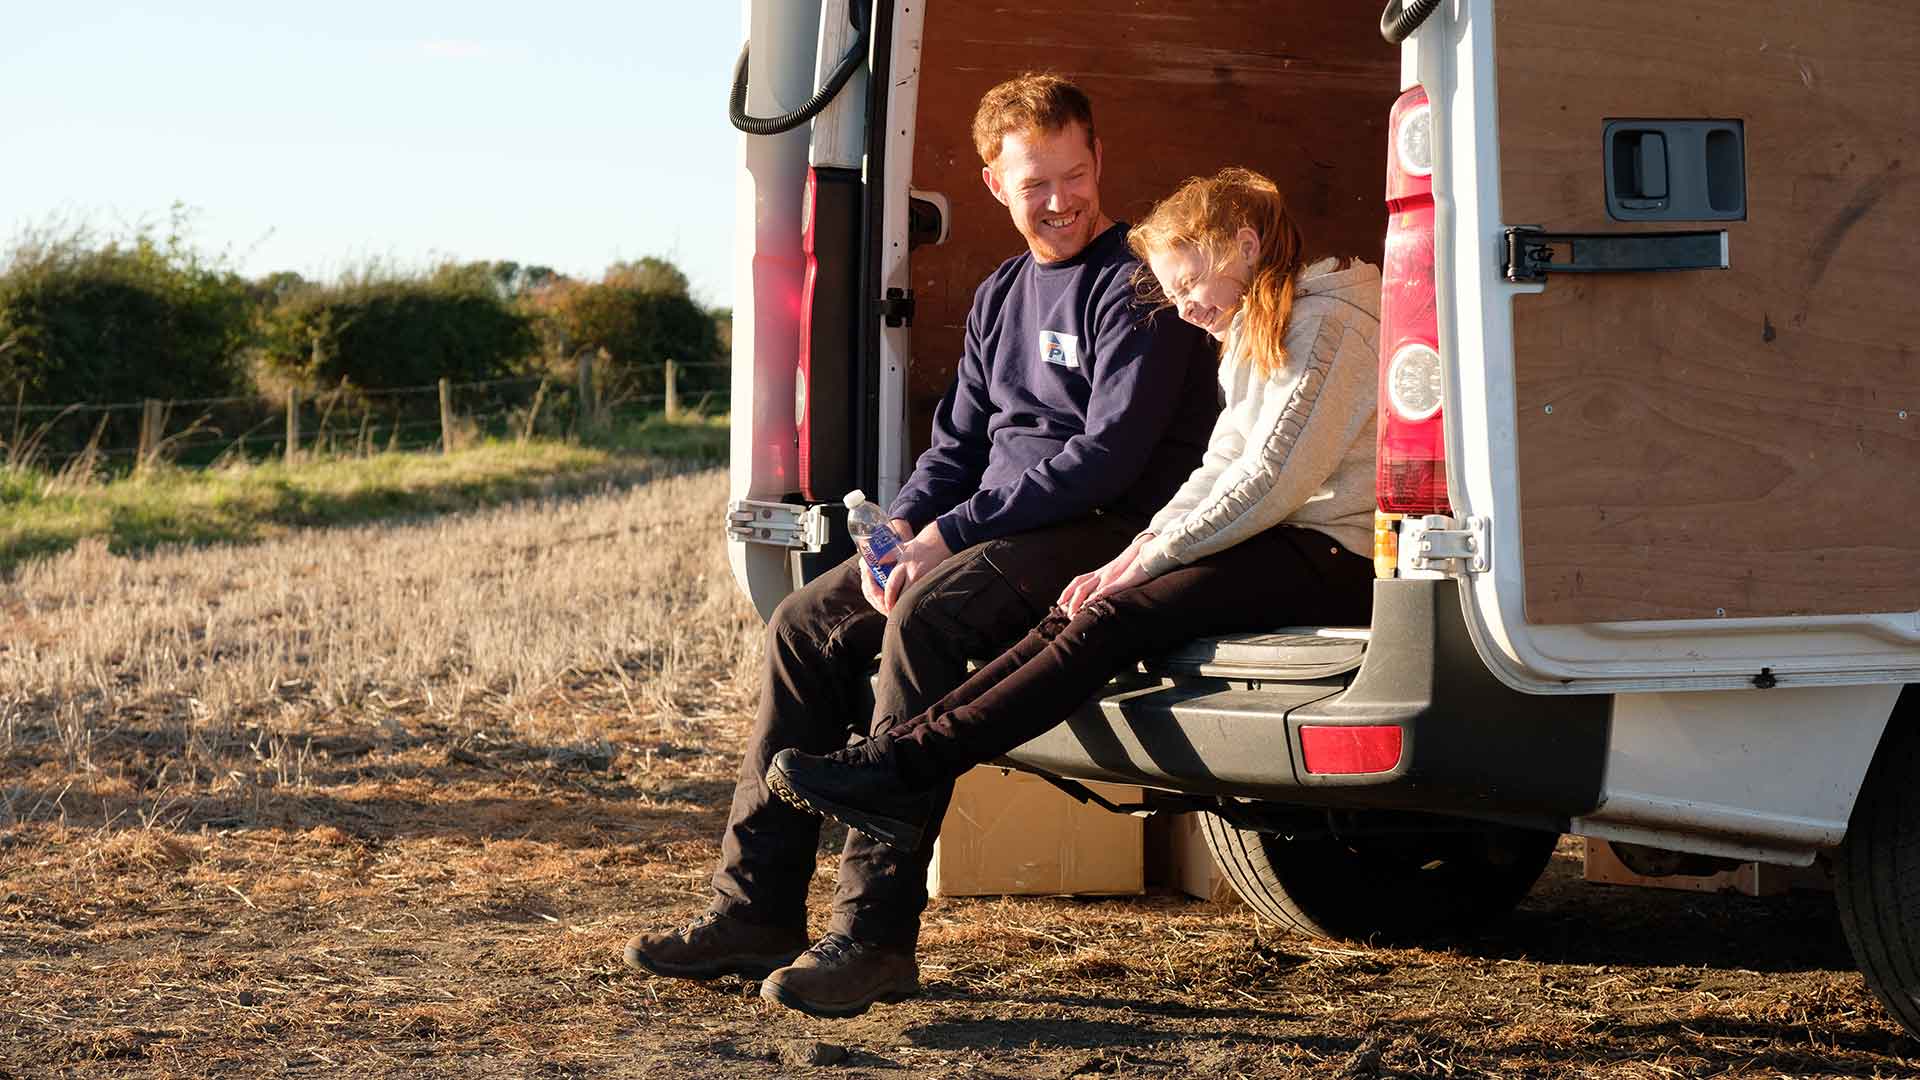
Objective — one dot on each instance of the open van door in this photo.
(824, 97)
(1676, 278)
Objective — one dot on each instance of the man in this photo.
(1074, 416)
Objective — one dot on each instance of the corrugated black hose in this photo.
(837, 78)
(1401, 19)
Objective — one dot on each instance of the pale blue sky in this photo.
(319, 136)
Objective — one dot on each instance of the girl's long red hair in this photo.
(1206, 213)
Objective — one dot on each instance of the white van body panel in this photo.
(840, 131)
(1747, 774)
(903, 102)
(769, 185)
(1455, 61)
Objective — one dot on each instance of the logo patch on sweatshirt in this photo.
(1061, 349)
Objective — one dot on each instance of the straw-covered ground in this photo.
(385, 801)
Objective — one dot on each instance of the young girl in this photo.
(1274, 528)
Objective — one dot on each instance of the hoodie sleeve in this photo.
(950, 468)
(1300, 434)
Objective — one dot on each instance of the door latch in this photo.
(896, 308)
(1531, 252)
(1437, 542)
(779, 524)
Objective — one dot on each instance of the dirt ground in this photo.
(420, 903)
(388, 801)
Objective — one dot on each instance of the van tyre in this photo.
(1388, 889)
(1877, 874)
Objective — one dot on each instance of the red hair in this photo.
(1206, 214)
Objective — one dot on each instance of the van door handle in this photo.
(1531, 252)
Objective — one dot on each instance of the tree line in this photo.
(149, 316)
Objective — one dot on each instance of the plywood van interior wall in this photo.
(1298, 89)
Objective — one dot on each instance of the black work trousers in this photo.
(1284, 576)
(821, 644)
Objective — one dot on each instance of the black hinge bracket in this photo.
(897, 307)
(1531, 252)
(1086, 794)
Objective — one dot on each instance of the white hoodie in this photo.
(1296, 447)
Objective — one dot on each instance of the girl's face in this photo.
(1205, 295)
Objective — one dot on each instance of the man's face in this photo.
(1050, 183)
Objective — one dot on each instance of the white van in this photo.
(1649, 542)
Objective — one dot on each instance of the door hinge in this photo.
(1437, 542)
(1530, 254)
(896, 308)
(777, 523)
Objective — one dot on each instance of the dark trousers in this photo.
(821, 643)
(1284, 576)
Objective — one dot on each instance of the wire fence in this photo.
(206, 431)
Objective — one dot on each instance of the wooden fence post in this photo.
(151, 419)
(446, 417)
(533, 413)
(585, 405)
(673, 392)
(293, 425)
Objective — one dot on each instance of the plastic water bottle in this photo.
(871, 534)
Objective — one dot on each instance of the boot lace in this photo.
(698, 924)
(835, 948)
(867, 753)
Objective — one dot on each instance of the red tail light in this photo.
(1412, 461)
(1371, 748)
(809, 208)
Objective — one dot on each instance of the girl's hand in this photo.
(1093, 583)
(1077, 589)
(1126, 579)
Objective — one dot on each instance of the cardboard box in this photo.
(1178, 857)
(1012, 833)
(1600, 864)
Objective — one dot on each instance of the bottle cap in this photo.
(854, 498)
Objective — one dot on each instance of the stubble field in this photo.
(386, 801)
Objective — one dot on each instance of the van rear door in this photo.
(821, 288)
(1685, 478)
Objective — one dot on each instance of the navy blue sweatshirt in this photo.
(1071, 396)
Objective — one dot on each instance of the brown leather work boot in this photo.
(714, 945)
(841, 977)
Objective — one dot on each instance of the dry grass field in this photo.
(385, 801)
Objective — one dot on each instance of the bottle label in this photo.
(878, 544)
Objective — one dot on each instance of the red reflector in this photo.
(1329, 749)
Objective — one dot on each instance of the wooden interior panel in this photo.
(1298, 89)
(1705, 443)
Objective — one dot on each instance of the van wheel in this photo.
(1401, 888)
(1877, 874)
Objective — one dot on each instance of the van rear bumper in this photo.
(1470, 745)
